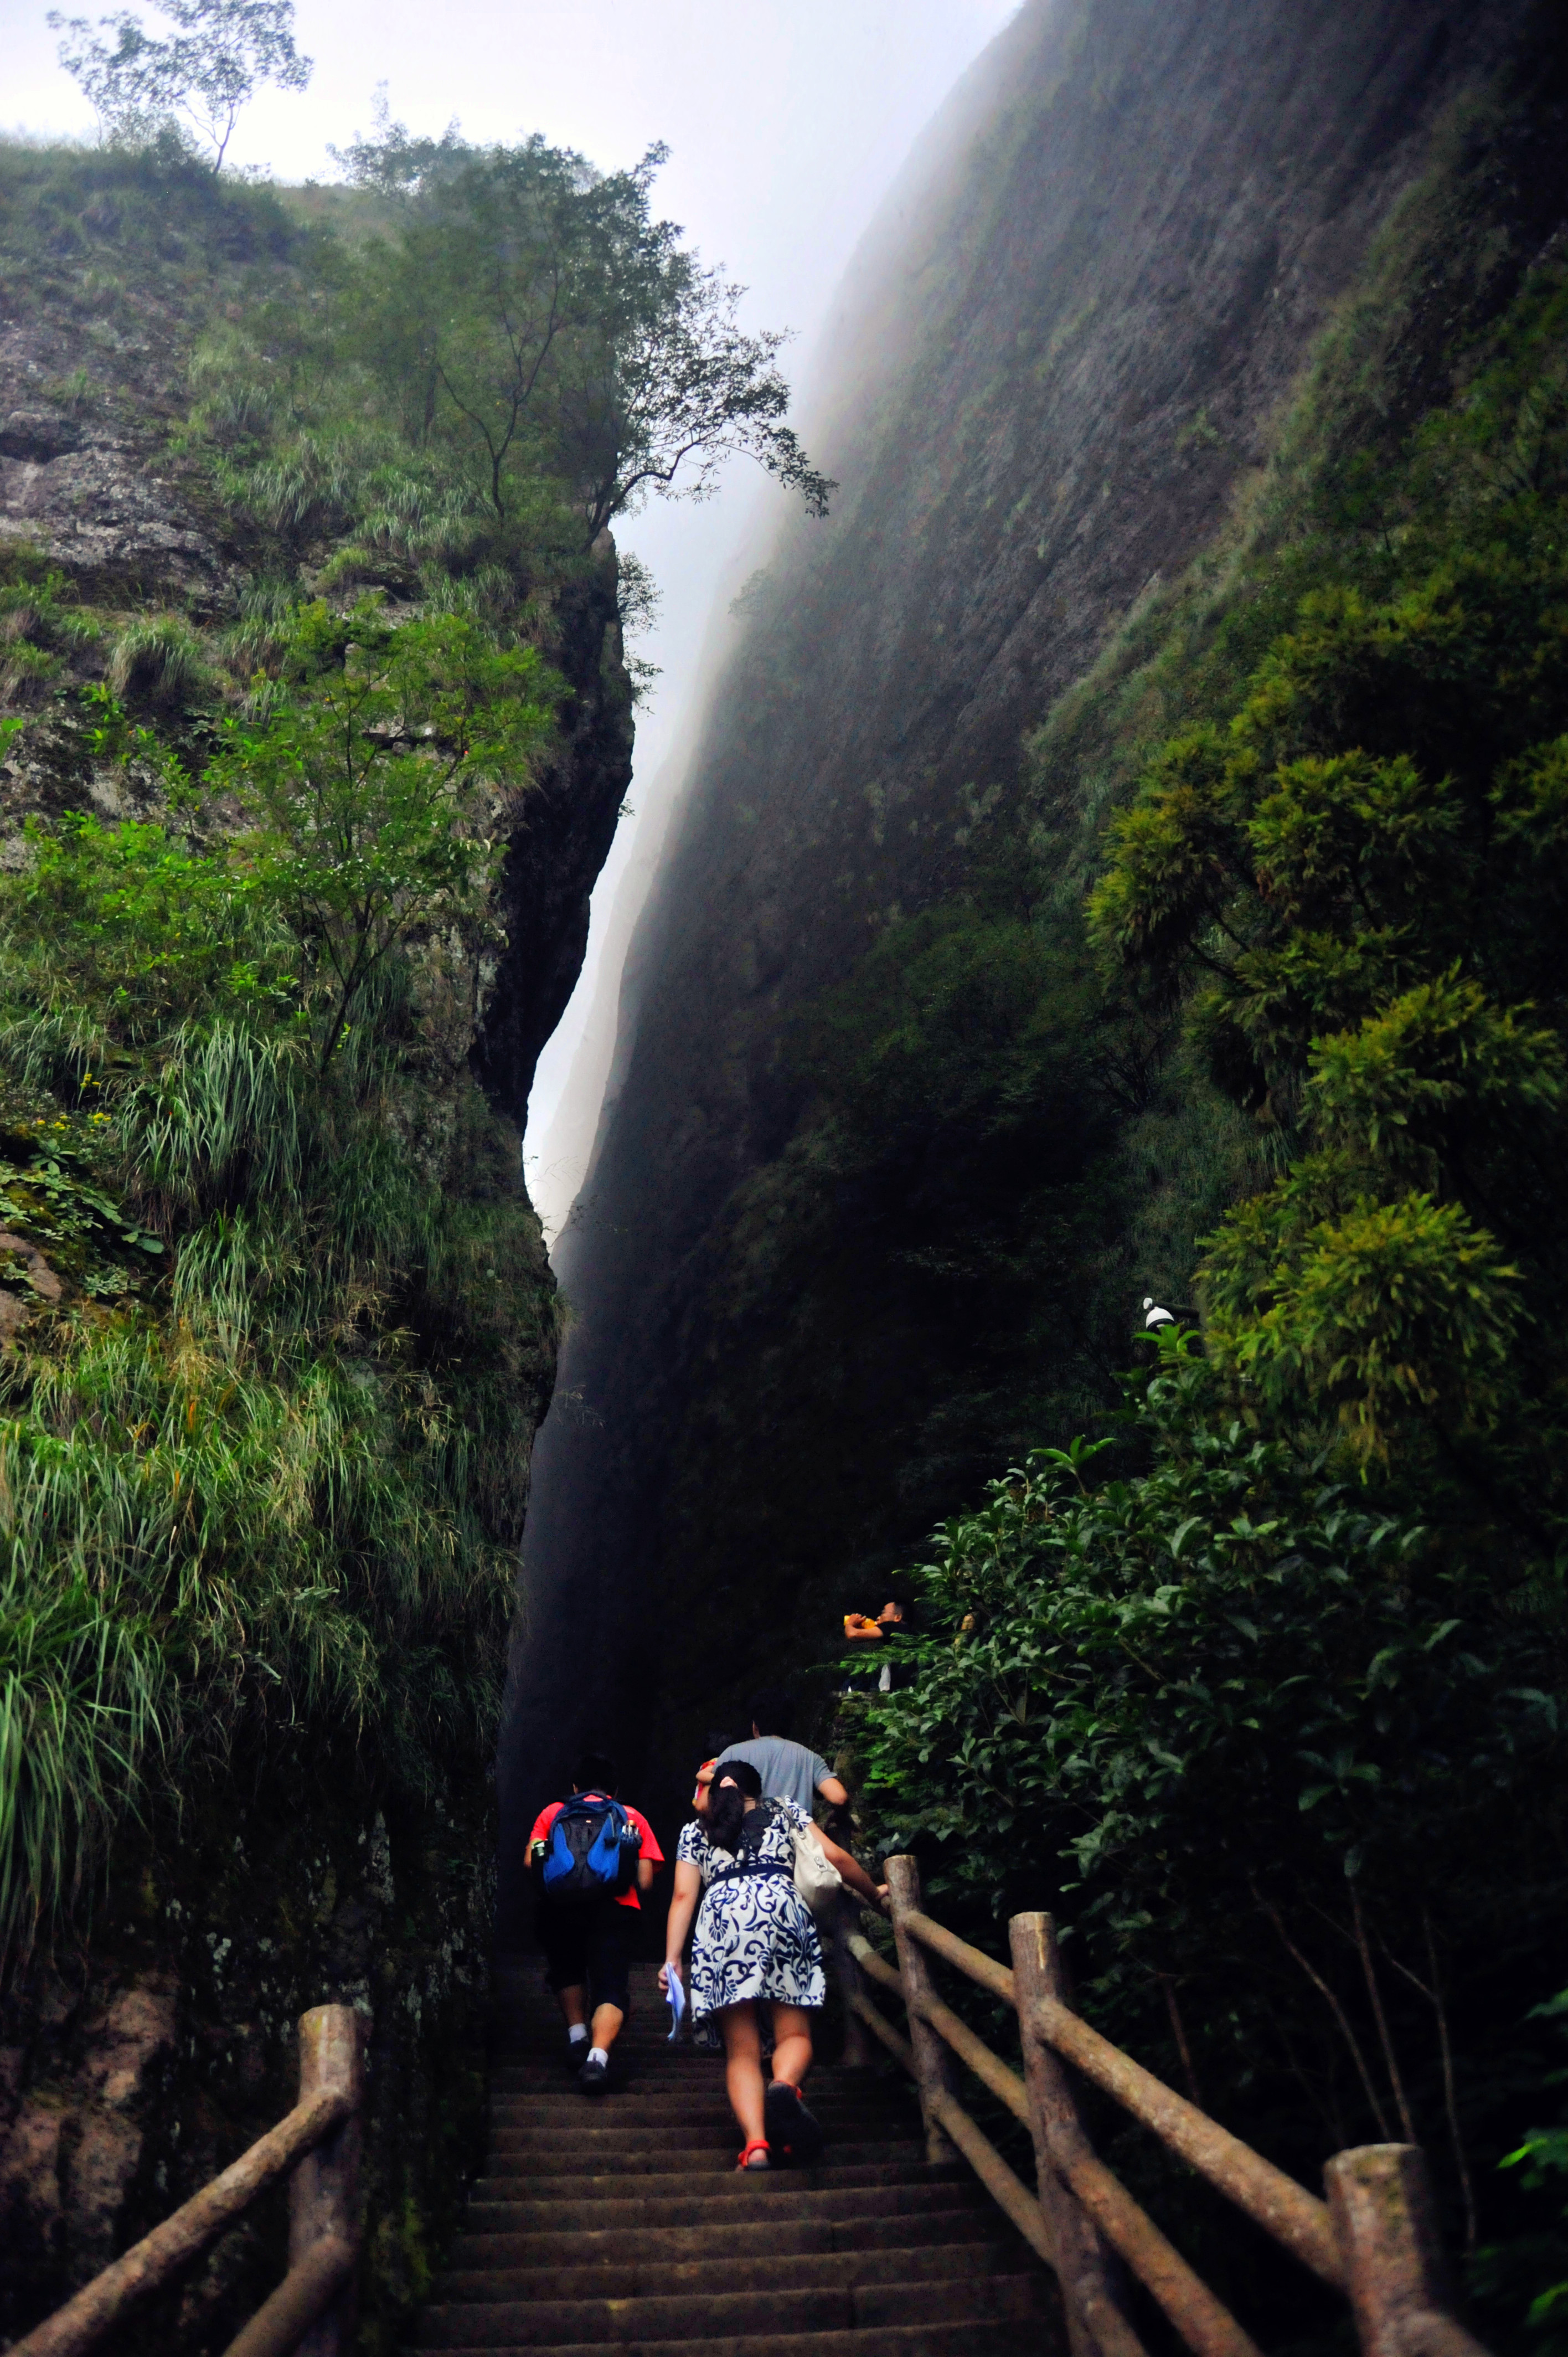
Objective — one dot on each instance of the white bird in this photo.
(1153, 1315)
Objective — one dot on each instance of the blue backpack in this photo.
(593, 1850)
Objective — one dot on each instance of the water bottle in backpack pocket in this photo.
(592, 1851)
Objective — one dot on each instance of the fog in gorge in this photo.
(786, 124)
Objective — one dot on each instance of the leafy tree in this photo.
(375, 775)
(1355, 886)
(531, 316)
(212, 65)
(1288, 1771)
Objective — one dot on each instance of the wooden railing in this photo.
(319, 2142)
(1373, 2239)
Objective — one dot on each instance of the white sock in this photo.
(597, 2054)
(576, 2032)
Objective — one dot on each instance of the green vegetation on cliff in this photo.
(1277, 1708)
(273, 1488)
(315, 724)
(268, 1419)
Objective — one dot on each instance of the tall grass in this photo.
(261, 1507)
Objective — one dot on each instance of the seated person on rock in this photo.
(590, 1855)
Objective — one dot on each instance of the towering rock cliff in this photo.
(841, 1252)
(146, 2042)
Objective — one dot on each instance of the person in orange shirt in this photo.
(585, 1936)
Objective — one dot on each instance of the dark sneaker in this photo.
(793, 2134)
(591, 2076)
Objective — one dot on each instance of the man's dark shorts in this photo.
(588, 1947)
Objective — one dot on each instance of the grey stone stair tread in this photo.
(617, 2224)
(650, 2272)
(630, 2102)
(763, 2236)
(694, 2209)
(711, 2313)
(678, 2139)
(987, 2338)
(591, 2183)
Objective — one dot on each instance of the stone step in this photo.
(617, 2225)
(850, 2165)
(563, 2096)
(710, 2314)
(649, 2271)
(997, 2338)
(593, 2131)
(762, 2237)
(789, 2194)
(616, 2114)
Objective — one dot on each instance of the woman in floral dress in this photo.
(755, 1942)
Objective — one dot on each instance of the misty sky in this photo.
(787, 119)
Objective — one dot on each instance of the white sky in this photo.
(787, 119)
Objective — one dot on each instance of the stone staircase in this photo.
(620, 2223)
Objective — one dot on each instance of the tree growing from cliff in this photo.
(1357, 885)
(219, 54)
(531, 316)
(373, 776)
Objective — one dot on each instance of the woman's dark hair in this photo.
(734, 1783)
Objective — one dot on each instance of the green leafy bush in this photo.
(262, 1469)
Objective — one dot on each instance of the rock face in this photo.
(132, 2072)
(136, 2066)
(1065, 353)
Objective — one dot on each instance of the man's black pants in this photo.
(587, 1945)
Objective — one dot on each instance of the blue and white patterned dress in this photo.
(755, 1938)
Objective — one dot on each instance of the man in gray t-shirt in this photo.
(789, 1770)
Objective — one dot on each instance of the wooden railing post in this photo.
(324, 2200)
(1087, 2267)
(935, 2073)
(1380, 2199)
(857, 2052)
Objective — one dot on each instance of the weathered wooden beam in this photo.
(281, 2322)
(1092, 2291)
(324, 2198)
(974, 2052)
(883, 2029)
(876, 1966)
(158, 2257)
(933, 2063)
(973, 1961)
(856, 2051)
(1379, 2198)
(1282, 2207)
(1006, 2188)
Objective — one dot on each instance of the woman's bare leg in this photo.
(743, 2068)
(791, 2044)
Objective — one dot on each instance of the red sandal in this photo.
(745, 2160)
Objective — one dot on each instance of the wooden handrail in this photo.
(984, 1969)
(1373, 2238)
(329, 2107)
(1204, 2323)
(1005, 2186)
(1282, 2207)
(282, 2321)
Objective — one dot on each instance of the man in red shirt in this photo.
(585, 1942)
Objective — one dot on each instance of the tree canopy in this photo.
(207, 70)
(528, 316)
